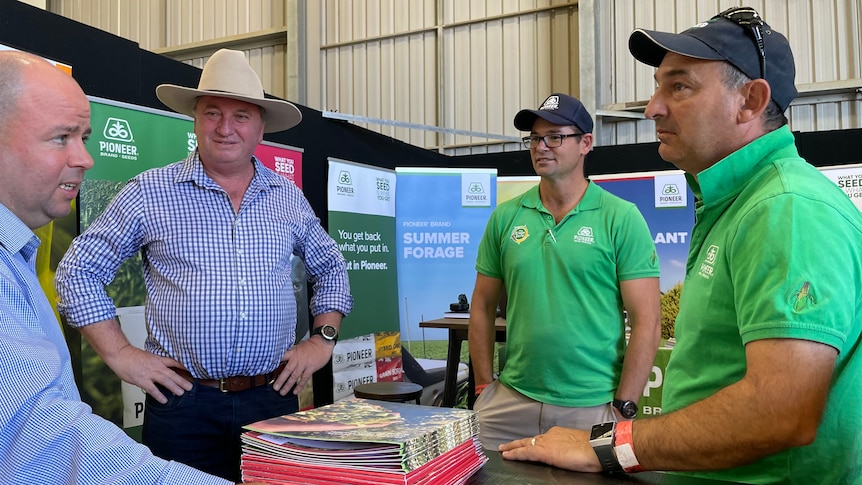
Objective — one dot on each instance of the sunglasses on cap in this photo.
(750, 20)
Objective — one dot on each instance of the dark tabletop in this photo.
(504, 472)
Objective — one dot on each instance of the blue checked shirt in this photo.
(47, 435)
(219, 292)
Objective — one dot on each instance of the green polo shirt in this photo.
(776, 253)
(565, 328)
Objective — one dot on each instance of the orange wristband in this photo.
(480, 388)
(624, 449)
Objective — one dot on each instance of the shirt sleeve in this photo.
(636, 252)
(325, 265)
(93, 258)
(488, 258)
(797, 284)
(47, 435)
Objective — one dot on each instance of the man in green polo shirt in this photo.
(570, 256)
(763, 385)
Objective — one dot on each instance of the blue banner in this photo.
(668, 208)
(440, 216)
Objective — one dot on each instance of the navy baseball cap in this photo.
(559, 109)
(729, 36)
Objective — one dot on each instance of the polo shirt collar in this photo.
(728, 176)
(591, 200)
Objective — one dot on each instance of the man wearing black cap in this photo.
(570, 256)
(763, 384)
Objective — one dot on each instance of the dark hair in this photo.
(773, 116)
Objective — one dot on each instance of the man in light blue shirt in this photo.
(216, 232)
(47, 435)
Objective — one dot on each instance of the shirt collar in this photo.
(592, 198)
(728, 176)
(192, 170)
(16, 237)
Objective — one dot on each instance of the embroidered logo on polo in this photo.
(803, 298)
(707, 266)
(519, 234)
(585, 235)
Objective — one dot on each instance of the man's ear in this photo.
(588, 142)
(756, 94)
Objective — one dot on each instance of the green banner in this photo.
(362, 221)
(126, 140)
(371, 267)
(650, 403)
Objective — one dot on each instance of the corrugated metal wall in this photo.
(825, 36)
(463, 65)
(467, 66)
(191, 30)
(139, 20)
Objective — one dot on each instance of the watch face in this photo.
(329, 332)
(629, 409)
(603, 430)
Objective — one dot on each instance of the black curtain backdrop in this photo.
(820, 148)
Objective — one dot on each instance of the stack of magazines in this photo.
(360, 441)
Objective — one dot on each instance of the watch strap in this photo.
(604, 449)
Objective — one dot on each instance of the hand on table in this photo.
(561, 447)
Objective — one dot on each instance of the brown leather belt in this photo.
(237, 383)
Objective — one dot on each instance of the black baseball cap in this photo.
(559, 109)
(723, 39)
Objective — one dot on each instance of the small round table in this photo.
(389, 391)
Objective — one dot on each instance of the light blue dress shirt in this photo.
(47, 435)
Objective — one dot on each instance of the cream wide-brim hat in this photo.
(228, 75)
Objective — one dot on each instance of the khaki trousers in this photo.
(505, 415)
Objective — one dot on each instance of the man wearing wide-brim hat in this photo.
(216, 232)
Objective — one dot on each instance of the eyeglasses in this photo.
(749, 19)
(551, 141)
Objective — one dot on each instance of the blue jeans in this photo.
(202, 427)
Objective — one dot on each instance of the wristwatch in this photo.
(627, 408)
(602, 441)
(328, 332)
